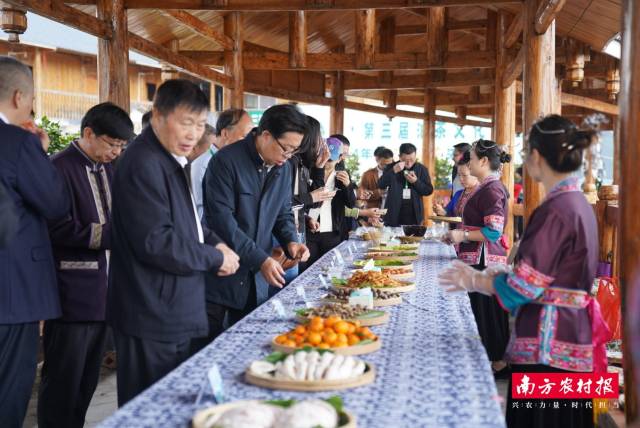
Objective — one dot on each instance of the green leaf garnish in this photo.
(282, 403)
(370, 314)
(336, 402)
(275, 357)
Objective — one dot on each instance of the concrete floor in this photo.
(103, 404)
(104, 401)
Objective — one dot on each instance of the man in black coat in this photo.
(28, 290)
(155, 300)
(407, 182)
(8, 217)
(248, 201)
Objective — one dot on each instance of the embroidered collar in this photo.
(95, 166)
(569, 184)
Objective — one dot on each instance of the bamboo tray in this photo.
(346, 350)
(270, 382)
(201, 418)
(445, 219)
(365, 322)
(402, 289)
(377, 303)
(384, 249)
(359, 264)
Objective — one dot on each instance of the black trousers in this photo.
(72, 357)
(222, 317)
(18, 363)
(142, 362)
(321, 243)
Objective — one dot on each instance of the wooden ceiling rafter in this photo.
(199, 27)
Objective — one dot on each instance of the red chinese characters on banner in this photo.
(564, 385)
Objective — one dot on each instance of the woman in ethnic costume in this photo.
(481, 244)
(456, 205)
(558, 325)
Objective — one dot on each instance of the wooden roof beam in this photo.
(358, 82)
(547, 12)
(298, 39)
(365, 36)
(452, 25)
(585, 102)
(153, 50)
(514, 69)
(392, 112)
(255, 60)
(287, 94)
(58, 11)
(200, 27)
(291, 5)
(448, 100)
(514, 31)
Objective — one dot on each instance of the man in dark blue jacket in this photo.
(407, 182)
(8, 217)
(155, 299)
(74, 343)
(248, 201)
(28, 289)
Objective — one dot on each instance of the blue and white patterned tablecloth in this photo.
(432, 370)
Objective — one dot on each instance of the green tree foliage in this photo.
(352, 164)
(60, 139)
(443, 173)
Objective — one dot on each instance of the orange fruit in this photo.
(352, 328)
(330, 322)
(330, 336)
(357, 324)
(300, 329)
(305, 344)
(341, 327)
(281, 339)
(365, 332)
(292, 336)
(353, 339)
(342, 338)
(340, 345)
(316, 324)
(315, 338)
(299, 340)
(290, 343)
(323, 345)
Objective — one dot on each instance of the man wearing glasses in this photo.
(248, 199)
(74, 343)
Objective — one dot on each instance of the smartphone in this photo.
(340, 166)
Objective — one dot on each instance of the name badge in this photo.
(406, 193)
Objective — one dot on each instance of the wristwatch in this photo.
(466, 236)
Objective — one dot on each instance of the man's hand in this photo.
(313, 225)
(439, 209)
(323, 156)
(273, 272)
(411, 177)
(343, 177)
(364, 194)
(230, 260)
(298, 251)
(321, 195)
(42, 135)
(398, 167)
(370, 213)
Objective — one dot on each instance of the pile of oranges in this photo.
(326, 333)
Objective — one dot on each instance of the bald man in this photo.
(28, 289)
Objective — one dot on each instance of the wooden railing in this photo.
(608, 222)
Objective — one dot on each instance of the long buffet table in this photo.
(432, 370)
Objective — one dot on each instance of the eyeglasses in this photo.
(286, 153)
(113, 146)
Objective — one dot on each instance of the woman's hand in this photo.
(343, 177)
(439, 209)
(455, 236)
(323, 156)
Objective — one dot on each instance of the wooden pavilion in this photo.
(510, 61)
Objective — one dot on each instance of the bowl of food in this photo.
(414, 230)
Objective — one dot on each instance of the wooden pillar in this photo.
(437, 40)
(37, 82)
(337, 108)
(429, 145)
(113, 55)
(538, 91)
(365, 37)
(504, 121)
(616, 150)
(234, 94)
(298, 39)
(629, 232)
(387, 44)
(168, 72)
